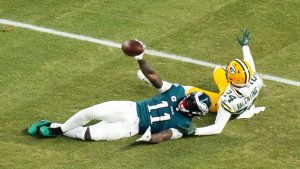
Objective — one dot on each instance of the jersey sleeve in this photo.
(222, 118)
(248, 57)
(165, 86)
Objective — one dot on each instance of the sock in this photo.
(56, 131)
(48, 124)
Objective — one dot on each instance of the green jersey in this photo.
(160, 112)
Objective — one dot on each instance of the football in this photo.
(132, 47)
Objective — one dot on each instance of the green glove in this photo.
(245, 39)
(190, 131)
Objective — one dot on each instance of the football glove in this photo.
(140, 56)
(146, 136)
(245, 39)
(190, 131)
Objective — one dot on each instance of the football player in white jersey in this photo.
(241, 86)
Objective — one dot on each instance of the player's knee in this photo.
(219, 73)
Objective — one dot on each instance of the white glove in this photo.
(140, 56)
(259, 109)
(249, 113)
(144, 46)
(146, 136)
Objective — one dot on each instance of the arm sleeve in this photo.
(165, 86)
(222, 118)
(248, 57)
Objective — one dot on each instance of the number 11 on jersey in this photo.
(163, 104)
(166, 116)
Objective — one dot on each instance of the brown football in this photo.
(132, 47)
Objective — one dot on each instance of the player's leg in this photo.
(113, 131)
(112, 111)
(220, 78)
(102, 131)
(77, 133)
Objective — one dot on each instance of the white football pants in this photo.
(119, 120)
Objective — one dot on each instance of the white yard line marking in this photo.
(118, 45)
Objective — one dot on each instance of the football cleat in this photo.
(34, 128)
(238, 72)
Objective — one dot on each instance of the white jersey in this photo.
(237, 100)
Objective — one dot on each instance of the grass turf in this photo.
(45, 76)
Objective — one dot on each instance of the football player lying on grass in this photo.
(239, 86)
(158, 118)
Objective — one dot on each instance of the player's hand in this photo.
(146, 137)
(245, 38)
(187, 131)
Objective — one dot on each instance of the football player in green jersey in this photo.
(158, 118)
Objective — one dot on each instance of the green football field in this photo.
(44, 76)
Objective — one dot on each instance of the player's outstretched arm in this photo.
(244, 42)
(150, 73)
(136, 48)
(220, 122)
